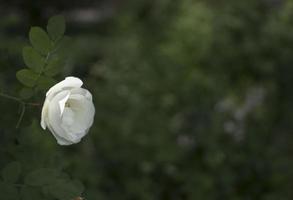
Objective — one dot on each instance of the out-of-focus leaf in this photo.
(26, 93)
(54, 66)
(27, 77)
(63, 47)
(45, 83)
(64, 176)
(56, 27)
(30, 193)
(40, 40)
(33, 59)
(41, 177)
(11, 172)
(8, 191)
(64, 190)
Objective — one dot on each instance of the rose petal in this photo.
(82, 111)
(54, 115)
(60, 140)
(69, 82)
(62, 103)
(83, 92)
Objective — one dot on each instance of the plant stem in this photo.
(10, 97)
(22, 103)
(33, 104)
(18, 100)
(21, 114)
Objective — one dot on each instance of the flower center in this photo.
(67, 104)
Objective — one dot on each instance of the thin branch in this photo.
(33, 104)
(19, 100)
(22, 104)
(21, 115)
(10, 97)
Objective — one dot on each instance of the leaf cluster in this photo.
(41, 183)
(43, 57)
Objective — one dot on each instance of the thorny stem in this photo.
(22, 103)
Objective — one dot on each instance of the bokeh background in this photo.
(193, 97)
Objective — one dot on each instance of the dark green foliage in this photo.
(8, 191)
(45, 57)
(56, 27)
(41, 177)
(54, 66)
(29, 193)
(33, 59)
(26, 93)
(193, 101)
(64, 190)
(11, 172)
(27, 77)
(44, 83)
(30, 178)
(40, 40)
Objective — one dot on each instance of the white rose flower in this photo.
(68, 111)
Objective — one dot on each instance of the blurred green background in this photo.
(193, 98)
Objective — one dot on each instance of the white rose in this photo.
(68, 111)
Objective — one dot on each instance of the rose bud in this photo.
(68, 111)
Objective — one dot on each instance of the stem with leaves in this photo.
(43, 60)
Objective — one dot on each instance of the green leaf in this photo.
(8, 191)
(11, 172)
(45, 83)
(56, 27)
(33, 59)
(64, 190)
(64, 46)
(64, 176)
(28, 193)
(45, 190)
(26, 93)
(54, 66)
(40, 40)
(41, 177)
(27, 77)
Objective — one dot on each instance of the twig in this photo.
(10, 97)
(22, 103)
(33, 104)
(21, 115)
